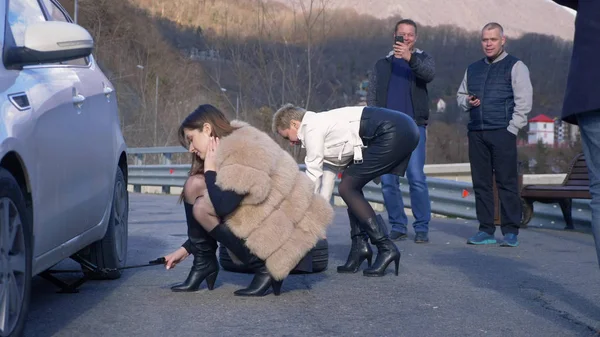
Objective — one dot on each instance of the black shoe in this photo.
(397, 236)
(262, 281)
(360, 249)
(421, 237)
(204, 249)
(386, 249)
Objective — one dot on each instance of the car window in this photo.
(57, 15)
(22, 13)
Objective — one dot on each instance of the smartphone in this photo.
(399, 39)
(473, 95)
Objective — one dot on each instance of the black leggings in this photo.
(390, 137)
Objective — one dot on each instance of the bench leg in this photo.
(565, 206)
(527, 212)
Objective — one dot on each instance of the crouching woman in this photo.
(249, 195)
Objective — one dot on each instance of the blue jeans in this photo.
(419, 193)
(589, 125)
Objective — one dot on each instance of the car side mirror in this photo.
(50, 42)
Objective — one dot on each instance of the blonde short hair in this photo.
(285, 115)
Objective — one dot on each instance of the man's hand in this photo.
(211, 154)
(474, 101)
(401, 51)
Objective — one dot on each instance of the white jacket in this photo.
(330, 137)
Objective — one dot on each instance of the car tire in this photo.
(110, 253)
(320, 260)
(15, 283)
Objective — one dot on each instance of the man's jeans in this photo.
(419, 194)
(589, 125)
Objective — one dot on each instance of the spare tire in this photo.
(316, 259)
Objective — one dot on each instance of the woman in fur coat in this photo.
(338, 137)
(247, 193)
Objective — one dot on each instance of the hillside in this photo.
(249, 57)
(517, 16)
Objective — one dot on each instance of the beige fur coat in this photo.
(280, 218)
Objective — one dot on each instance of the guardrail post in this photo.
(138, 159)
(166, 160)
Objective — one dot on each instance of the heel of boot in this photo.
(277, 287)
(212, 278)
(397, 261)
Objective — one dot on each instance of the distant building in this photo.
(565, 134)
(441, 105)
(541, 128)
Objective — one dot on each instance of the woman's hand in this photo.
(211, 154)
(176, 257)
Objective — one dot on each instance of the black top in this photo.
(224, 202)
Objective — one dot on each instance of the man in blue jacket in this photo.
(399, 82)
(581, 105)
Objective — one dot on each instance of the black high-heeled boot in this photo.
(262, 280)
(386, 249)
(204, 249)
(360, 249)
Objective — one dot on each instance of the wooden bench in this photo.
(576, 185)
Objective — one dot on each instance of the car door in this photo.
(96, 164)
(54, 136)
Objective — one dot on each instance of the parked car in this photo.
(63, 168)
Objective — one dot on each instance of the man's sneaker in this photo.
(510, 240)
(482, 238)
(395, 235)
(421, 237)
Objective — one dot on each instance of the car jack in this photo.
(88, 269)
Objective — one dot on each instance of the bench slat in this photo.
(579, 176)
(550, 194)
(578, 183)
(580, 170)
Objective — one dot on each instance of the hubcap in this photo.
(120, 206)
(13, 264)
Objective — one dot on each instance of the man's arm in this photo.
(523, 93)
(372, 89)
(462, 96)
(423, 68)
(314, 142)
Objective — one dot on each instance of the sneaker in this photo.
(482, 238)
(421, 237)
(395, 235)
(510, 240)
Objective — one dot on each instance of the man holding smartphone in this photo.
(399, 82)
(496, 91)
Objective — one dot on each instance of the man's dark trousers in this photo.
(495, 151)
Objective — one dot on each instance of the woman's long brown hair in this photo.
(220, 125)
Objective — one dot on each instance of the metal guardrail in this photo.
(446, 195)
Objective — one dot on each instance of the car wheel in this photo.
(15, 256)
(320, 258)
(110, 253)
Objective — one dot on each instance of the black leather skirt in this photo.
(390, 137)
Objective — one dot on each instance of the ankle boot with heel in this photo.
(386, 249)
(262, 281)
(204, 249)
(360, 249)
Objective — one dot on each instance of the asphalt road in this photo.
(548, 286)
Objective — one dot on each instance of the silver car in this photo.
(63, 168)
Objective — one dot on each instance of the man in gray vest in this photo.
(497, 93)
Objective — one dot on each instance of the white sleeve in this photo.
(314, 142)
(329, 175)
